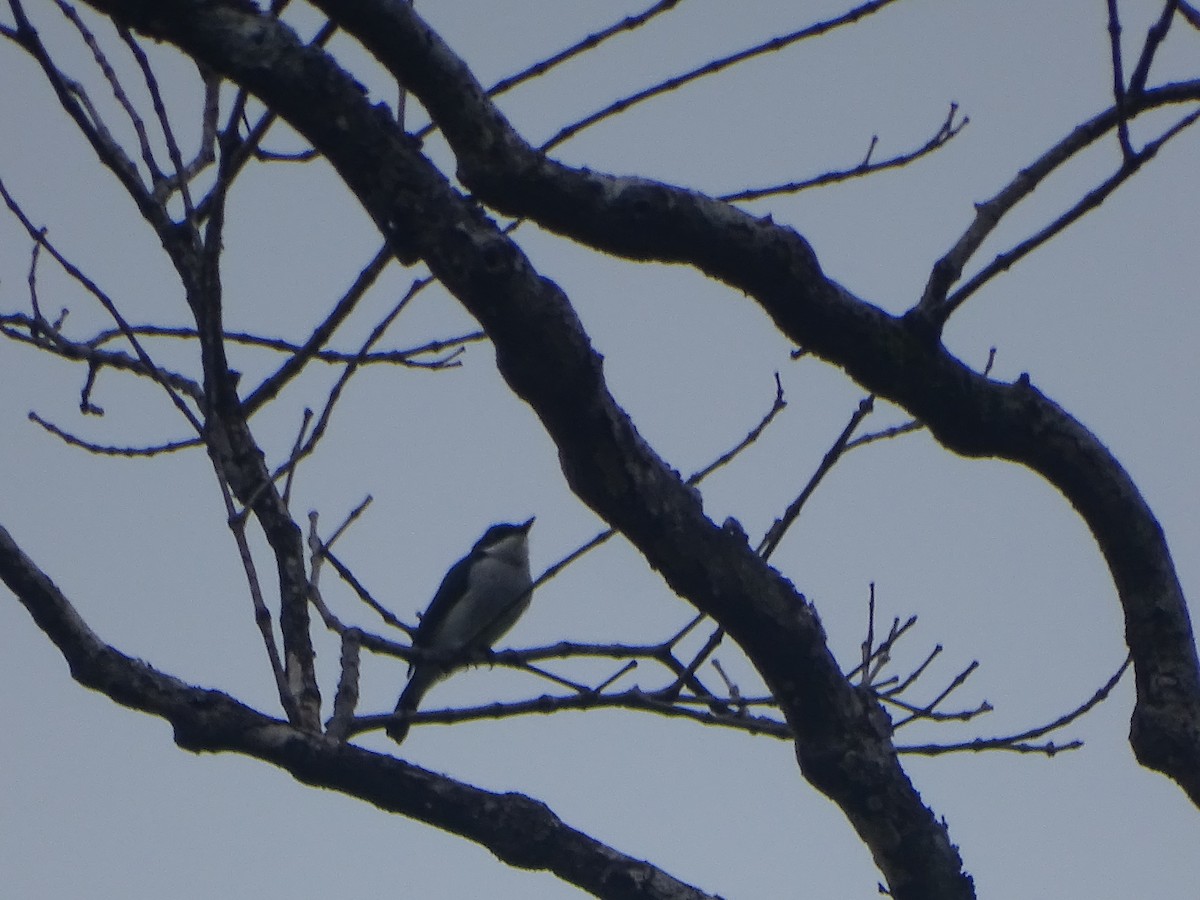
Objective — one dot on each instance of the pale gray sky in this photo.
(96, 800)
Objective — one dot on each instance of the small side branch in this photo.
(1114, 40)
(947, 132)
(1004, 261)
(988, 215)
(113, 450)
(629, 23)
(776, 532)
(1020, 742)
(774, 45)
(1154, 38)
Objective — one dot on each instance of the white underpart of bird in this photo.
(479, 600)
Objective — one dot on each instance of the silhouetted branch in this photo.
(948, 269)
(593, 40)
(111, 450)
(711, 68)
(1114, 40)
(776, 532)
(149, 366)
(1004, 261)
(946, 133)
(1019, 742)
(1154, 38)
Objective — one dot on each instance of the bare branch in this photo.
(1004, 261)
(694, 479)
(947, 132)
(346, 699)
(164, 122)
(451, 348)
(262, 615)
(885, 434)
(948, 269)
(109, 450)
(1019, 742)
(74, 100)
(711, 68)
(363, 594)
(1154, 38)
(753, 435)
(39, 235)
(273, 384)
(122, 98)
(631, 700)
(629, 23)
(305, 419)
(348, 372)
(1114, 38)
(516, 829)
(27, 330)
(776, 532)
(930, 710)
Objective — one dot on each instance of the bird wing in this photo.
(453, 586)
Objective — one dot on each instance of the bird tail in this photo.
(422, 679)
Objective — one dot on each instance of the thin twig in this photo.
(590, 42)
(405, 357)
(75, 101)
(947, 132)
(1019, 741)
(339, 386)
(52, 341)
(118, 90)
(1114, 40)
(695, 478)
(902, 686)
(776, 532)
(92, 288)
(633, 699)
(929, 711)
(868, 644)
(350, 519)
(896, 632)
(711, 68)
(164, 122)
(108, 450)
(305, 419)
(885, 434)
(273, 384)
(262, 615)
(1154, 38)
(363, 594)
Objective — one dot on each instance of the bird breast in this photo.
(497, 593)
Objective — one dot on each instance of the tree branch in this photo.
(900, 359)
(544, 354)
(520, 831)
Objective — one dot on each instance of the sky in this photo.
(95, 798)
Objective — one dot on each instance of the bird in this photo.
(479, 600)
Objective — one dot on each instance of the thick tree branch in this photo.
(543, 353)
(520, 831)
(843, 742)
(900, 359)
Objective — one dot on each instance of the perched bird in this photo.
(480, 598)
